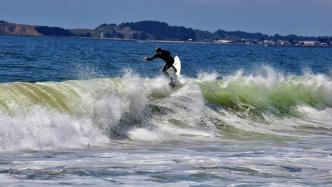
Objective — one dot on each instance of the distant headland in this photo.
(160, 31)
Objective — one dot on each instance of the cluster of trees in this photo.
(53, 31)
(159, 31)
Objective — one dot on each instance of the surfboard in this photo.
(174, 76)
(177, 65)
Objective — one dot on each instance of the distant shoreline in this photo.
(149, 31)
(163, 41)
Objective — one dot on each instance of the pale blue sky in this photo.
(304, 17)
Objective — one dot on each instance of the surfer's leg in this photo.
(172, 84)
(174, 68)
(166, 67)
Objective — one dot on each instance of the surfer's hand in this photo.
(147, 58)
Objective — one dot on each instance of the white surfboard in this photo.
(177, 65)
(174, 76)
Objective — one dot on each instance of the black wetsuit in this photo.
(166, 56)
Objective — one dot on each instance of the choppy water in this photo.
(88, 112)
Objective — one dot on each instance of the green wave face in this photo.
(279, 98)
(65, 97)
(20, 97)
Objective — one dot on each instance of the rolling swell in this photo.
(75, 114)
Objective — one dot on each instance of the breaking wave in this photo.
(272, 93)
(79, 113)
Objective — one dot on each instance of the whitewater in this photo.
(147, 114)
(106, 126)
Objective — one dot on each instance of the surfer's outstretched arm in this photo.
(152, 58)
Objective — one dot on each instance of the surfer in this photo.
(166, 56)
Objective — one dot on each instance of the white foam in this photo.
(97, 106)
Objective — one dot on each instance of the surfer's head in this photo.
(158, 49)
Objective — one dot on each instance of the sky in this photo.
(302, 17)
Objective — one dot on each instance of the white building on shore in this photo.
(224, 41)
(308, 43)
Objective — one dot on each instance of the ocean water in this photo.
(86, 112)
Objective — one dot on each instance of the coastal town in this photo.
(300, 43)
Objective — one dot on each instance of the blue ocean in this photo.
(93, 112)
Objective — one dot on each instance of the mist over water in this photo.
(91, 112)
